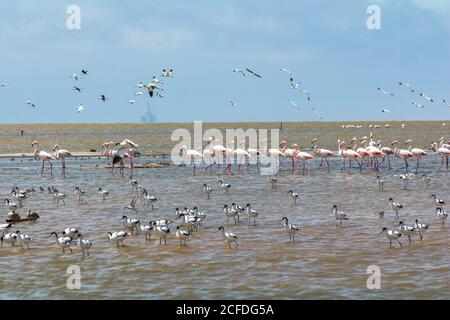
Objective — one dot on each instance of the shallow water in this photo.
(325, 262)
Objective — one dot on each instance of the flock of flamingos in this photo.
(365, 152)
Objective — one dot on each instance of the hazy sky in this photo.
(326, 45)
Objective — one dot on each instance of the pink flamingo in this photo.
(402, 153)
(291, 153)
(443, 152)
(208, 154)
(122, 153)
(44, 156)
(303, 156)
(348, 154)
(191, 155)
(386, 151)
(61, 154)
(218, 153)
(416, 152)
(241, 155)
(322, 153)
(229, 154)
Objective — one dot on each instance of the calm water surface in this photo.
(325, 262)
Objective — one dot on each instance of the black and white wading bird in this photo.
(290, 229)
(229, 237)
(339, 215)
(392, 235)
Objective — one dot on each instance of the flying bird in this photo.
(75, 88)
(103, 98)
(407, 85)
(426, 97)
(253, 73)
(84, 72)
(385, 92)
(294, 104)
(158, 94)
(386, 111)
(285, 70)
(140, 85)
(139, 93)
(233, 104)
(418, 105)
(167, 73)
(3, 84)
(239, 71)
(131, 101)
(75, 76)
(294, 85)
(28, 102)
(80, 108)
(308, 94)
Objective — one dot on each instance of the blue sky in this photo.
(326, 45)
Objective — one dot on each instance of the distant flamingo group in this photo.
(366, 152)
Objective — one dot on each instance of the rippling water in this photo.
(325, 261)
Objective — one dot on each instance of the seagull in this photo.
(253, 73)
(386, 111)
(239, 71)
(103, 98)
(385, 92)
(407, 85)
(285, 70)
(28, 102)
(132, 101)
(167, 73)
(80, 108)
(418, 105)
(294, 85)
(426, 97)
(233, 104)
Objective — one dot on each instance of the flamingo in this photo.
(291, 153)
(44, 156)
(347, 154)
(241, 155)
(218, 151)
(61, 154)
(386, 151)
(401, 153)
(191, 155)
(208, 154)
(443, 152)
(301, 155)
(322, 153)
(416, 152)
(254, 153)
(122, 153)
(229, 154)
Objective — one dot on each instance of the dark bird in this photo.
(251, 72)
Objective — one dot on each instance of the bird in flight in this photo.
(239, 71)
(233, 104)
(103, 98)
(158, 94)
(407, 85)
(28, 102)
(80, 108)
(294, 104)
(385, 92)
(418, 105)
(75, 88)
(285, 70)
(253, 73)
(75, 76)
(84, 72)
(3, 84)
(131, 101)
(167, 73)
(294, 85)
(426, 97)
(386, 111)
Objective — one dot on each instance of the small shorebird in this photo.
(339, 215)
(80, 193)
(230, 213)
(103, 193)
(63, 242)
(273, 182)
(229, 237)
(207, 190)
(24, 240)
(118, 237)
(132, 205)
(441, 215)
(182, 235)
(294, 196)
(392, 235)
(420, 227)
(251, 214)
(71, 232)
(291, 229)
(395, 206)
(380, 183)
(404, 229)
(438, 201)
(426, 179)
(10, 238)
(225, 186)
(131, 224)
(163, 232)
(83, 244)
